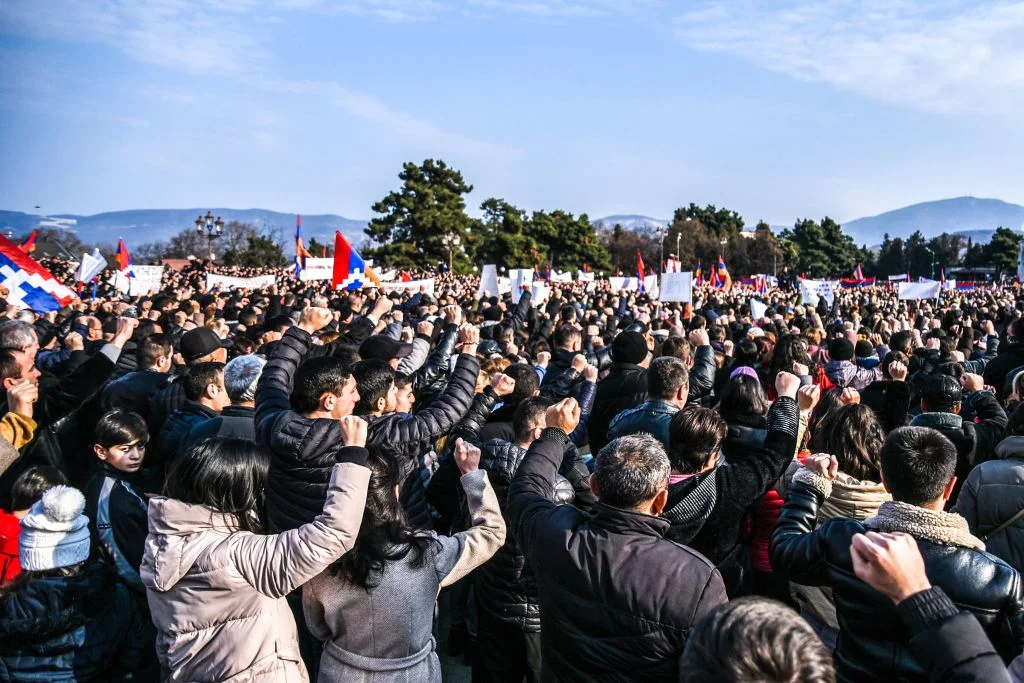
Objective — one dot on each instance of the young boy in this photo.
(116, 509)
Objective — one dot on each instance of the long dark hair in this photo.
(790, 349)
(831, 401)
(854, 435)
(744, 402)
(226, 475)
(385, 535)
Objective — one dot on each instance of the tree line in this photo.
(417, 225)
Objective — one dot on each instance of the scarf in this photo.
(944, 528)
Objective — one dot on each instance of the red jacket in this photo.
(10, 530)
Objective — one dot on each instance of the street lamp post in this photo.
(662, 234)
(212, 229)
(451, 242)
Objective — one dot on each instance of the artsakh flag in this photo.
(301, 254)
(29, 245)
(28, 283)
(124, 259)
(350, 271)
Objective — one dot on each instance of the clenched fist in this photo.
(503, 385)
(313, 319)
(564, 415)
(467, 456)
(353, 431)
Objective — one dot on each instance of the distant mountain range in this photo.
(151, 225)
(968, 216)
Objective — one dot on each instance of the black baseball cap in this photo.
(200, 342)
(383, 347)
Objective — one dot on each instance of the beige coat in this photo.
(217, 595)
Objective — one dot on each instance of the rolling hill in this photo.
(968, 216)
(150, 225)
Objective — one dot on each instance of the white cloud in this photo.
(943, 56)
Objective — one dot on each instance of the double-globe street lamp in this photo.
(212, 228)
(451, 241)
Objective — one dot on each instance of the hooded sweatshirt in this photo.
(217, 594)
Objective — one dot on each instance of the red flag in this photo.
(29, 245)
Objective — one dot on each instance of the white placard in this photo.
(812, 290)
(910, 291)
(488, 281)
(630, 284)
(412, 286)
(757, 309)
(91, 266)
(317, 269)
(677, 287)
(227, 282)
(146, 281)
(561, 277)
(520, 277)
(584, 277)
(898, 278)
(540, 293)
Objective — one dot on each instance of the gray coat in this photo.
(383, 634)
(992, 494)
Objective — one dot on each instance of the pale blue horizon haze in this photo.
(778, 110)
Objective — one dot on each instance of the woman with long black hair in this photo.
(374, 610)
(216, 585)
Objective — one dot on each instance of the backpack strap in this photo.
(1005, 525)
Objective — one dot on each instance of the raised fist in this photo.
(353, 431)
(564, 415)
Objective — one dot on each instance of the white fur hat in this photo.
(55, 533)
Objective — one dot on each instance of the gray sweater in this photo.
(384, 633)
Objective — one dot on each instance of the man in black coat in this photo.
(135, 390)
(917, 467)
(625, 386)
(707, 504)
(618, 600)
(1011, 357)
(975, 442)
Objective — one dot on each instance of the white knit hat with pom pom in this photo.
(55, 533)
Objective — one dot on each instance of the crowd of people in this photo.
(292, 484)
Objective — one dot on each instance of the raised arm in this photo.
(530, 494)
(465, 551)
(275, 565)
(797, 550)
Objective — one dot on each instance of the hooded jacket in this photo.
(85, 627)
(843, 374)
(218, 594)
(992, 495)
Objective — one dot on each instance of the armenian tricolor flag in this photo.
(640, 272)
(124, 259)
(301, 254)
(29, 245)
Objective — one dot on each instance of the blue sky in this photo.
(776, 109)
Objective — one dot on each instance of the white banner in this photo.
(677, 287)
(584, 277)
(146, 281)
(561, 277)
(898, 278)
(411, 286)
(317, 269)
(910, 291)
(227, 282)
(488, 281)
(630, 284)
(540, 293)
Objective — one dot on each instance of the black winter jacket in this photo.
(702, 377)
(177, 427)
(505, 586)
(118, 522)
(234, 422)
(975, 442)
(85, 627)
(992, 495)
(708, 511)
(873, 643)
(625, 387)
(618, 600)
(402, 437)
(949, 644)
(134, 391)
(1011, 357)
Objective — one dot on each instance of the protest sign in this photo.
(677, 287)
(228, 282)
